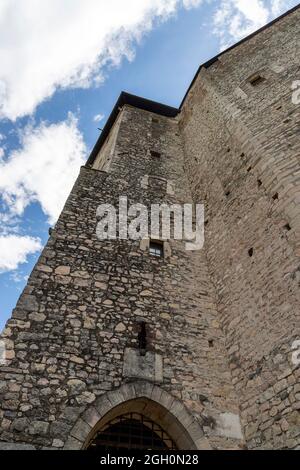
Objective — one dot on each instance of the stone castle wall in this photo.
(220, 322)
(242, 156)
(73, 335)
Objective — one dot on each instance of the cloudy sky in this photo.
(63, 64)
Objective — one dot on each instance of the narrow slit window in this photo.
(142, 337)
(155, 154)
(256, 80)
(156, 249)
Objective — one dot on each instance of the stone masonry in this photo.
(216, 372)
(242, 150)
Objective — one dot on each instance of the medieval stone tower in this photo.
(179, 349)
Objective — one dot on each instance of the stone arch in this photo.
(151, 400)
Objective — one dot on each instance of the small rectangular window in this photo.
(256, 80)
(155, 154)
(156, 248)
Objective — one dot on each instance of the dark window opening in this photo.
(256, 80)
(155, 154)
(211, 343)
(275, 197)
(142, 338)
(227, 193)
(156, 249)
(250, 252)
(131, 431)
(288, 227)
(259, 182)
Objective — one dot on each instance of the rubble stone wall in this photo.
(73, 335)
(242, 152)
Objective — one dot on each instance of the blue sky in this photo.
(65, 63)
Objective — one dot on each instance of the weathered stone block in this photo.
(148, 366)
(15, 446)
(38, 428)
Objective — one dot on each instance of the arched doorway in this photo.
(122, 424)
(138, 403)
(131, 431)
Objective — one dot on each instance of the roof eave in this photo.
(137, 102)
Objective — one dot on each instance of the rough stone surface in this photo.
(92, 313)
(15, 446)
(220, 322)
(242, 158)
(229, 425)
(137, 366)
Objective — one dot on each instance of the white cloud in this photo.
(191, 3)
(14, 250)
(235, 19)
(98, 117)
(43, 169)
(49, 44)
(9, 223)
(280, 6)
(17, 277)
